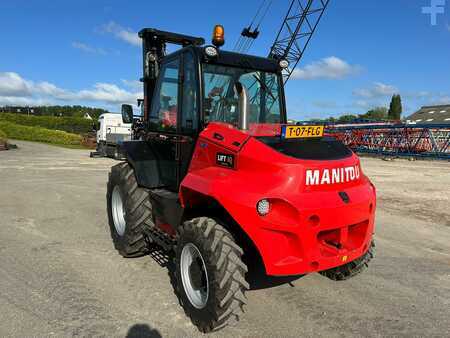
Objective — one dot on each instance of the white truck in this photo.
(111, 133)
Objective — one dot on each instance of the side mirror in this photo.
(127, 113)
(140, 103)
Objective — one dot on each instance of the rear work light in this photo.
(211, 51)
(283, 63)
(263, 207)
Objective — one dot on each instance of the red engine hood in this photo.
(229, 136)
(256, 161)
(260, 161)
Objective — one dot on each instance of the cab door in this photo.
(163, 123)
(189, 113)
(174, 118)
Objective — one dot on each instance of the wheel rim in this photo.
(194, 276)
(118, 212)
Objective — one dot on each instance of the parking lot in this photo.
(60, 275)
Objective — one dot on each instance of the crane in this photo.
(294, 35)
(296, 32)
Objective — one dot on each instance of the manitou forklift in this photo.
(214, 175)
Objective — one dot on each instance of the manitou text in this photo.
(332, 176)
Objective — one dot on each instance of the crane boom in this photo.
(296, 32)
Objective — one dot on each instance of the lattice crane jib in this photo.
(296, 32)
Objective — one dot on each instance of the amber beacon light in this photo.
(218, 38)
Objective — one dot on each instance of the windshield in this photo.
(221, 101)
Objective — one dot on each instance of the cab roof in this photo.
(154, 37)
(233, 59)
(243, 60)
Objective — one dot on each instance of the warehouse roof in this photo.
(430, 115)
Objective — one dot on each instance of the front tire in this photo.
(116, 154)
(209, 274)
(129, 211)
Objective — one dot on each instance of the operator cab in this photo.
(194, 86)
(193, 89)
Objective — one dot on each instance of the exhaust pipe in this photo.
(242, 106)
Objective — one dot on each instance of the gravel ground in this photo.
(60, 276)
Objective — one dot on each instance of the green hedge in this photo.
(2, 136)
(38, 134)
(75, 125)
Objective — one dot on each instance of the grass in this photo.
(2, 136)
(75, 125)
(39, 134)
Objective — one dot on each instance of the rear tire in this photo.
(129, 211)
(116, 154)
(216, 296)
(353, 268)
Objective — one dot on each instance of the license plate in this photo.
(301, 131)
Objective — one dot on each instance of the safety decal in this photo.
(225, 160)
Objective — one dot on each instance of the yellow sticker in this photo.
(301, 131)
(344, 258)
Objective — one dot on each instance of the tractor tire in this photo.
(351, 269)
(116, 154)
(129, 211)
(209, 274)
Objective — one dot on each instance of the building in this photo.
(20, 110)
(430, 115)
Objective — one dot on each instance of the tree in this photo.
(378, 113)
(74, 111)
(347, 118)
(395, 108)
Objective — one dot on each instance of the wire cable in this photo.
(265, 13)
(257, 13)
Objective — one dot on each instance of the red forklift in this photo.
(214, 173)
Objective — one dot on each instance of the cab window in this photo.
(221, 101)
(189, 113)
(163, 114)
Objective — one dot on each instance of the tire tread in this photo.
(229, 274)
(138, 211)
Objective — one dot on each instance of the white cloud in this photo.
(379, 95)
(134, 84)
(11, 84)
(442, 100)
(50, 90)
(88, 49)
(328, 68)
(22, 101)
(15, 90)
(366, 105)
(124, 34)
(418, 95)
(377, 90)
(109, 93)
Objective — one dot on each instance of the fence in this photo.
(432, 141)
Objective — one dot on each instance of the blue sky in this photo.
(72, 52)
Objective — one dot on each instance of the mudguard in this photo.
(151, 162)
